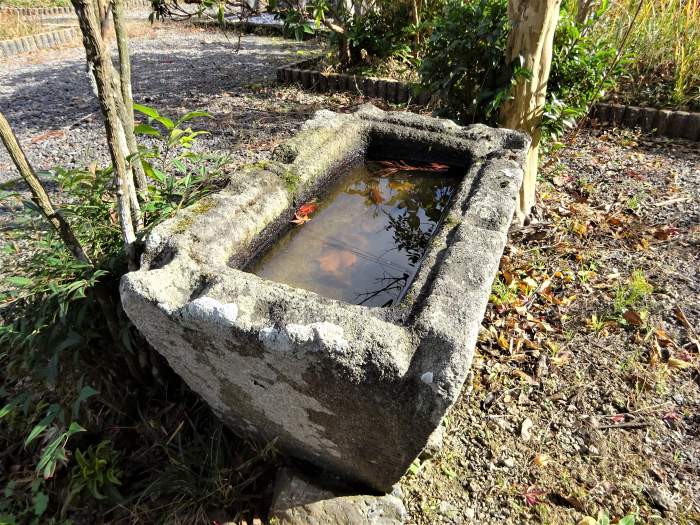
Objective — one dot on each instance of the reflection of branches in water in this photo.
(393, 284)
(409, 236)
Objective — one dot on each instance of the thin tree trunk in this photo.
(127, 93)
(584, 8)
(39, 195)
(100, 62)
(533, 23)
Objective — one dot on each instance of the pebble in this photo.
(525, 428)
(508, 462)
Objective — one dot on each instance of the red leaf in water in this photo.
(375, 195)
(307, 208)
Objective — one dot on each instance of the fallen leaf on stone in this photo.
(307, 208)
(300, 219)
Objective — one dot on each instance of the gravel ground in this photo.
(174, 70)
(580, 402)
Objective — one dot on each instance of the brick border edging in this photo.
(27, 44)
(57, 11)
(395, 91)
(664, 122)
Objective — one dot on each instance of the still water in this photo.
(366, 237)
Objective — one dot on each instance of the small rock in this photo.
(508, 462)
(300, 502)
(587, 521)
(447, 509)
(434, 445)
(661, 499)
(525, 428)
(469, 513)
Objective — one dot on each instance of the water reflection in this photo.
(365, 240)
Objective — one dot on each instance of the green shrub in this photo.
(63, 334)
(584, 67)
(464, 62)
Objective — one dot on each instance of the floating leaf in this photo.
(300, 219)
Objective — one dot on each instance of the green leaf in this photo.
(19, 281)
(145, 129)
(146, 110)
(627, 520)
(85, 393)
(45, 422)
(152, 113)
(192, 115)
(41, 502)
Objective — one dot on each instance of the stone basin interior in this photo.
(368, 234)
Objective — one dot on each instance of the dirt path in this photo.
(584, 396)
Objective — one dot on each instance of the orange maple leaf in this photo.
(307, 209)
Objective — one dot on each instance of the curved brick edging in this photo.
(394, 91)
(26, 44)
(663, 122)
(61, 11)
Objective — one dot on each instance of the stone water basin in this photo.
(264, 321)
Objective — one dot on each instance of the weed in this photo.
(633, 294)
(64, 337)
(501, 293)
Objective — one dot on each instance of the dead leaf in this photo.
(307, 208)
(50, 134)
(561, 359)
(401, 186)
(633, 318)
(300, 219)
(541, 460)
(532, 495)
(674, 362)
(375, 195)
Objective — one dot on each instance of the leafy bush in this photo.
(63, 334)
(465, 64)
(584, 67)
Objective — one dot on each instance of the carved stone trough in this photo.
(354, 389)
